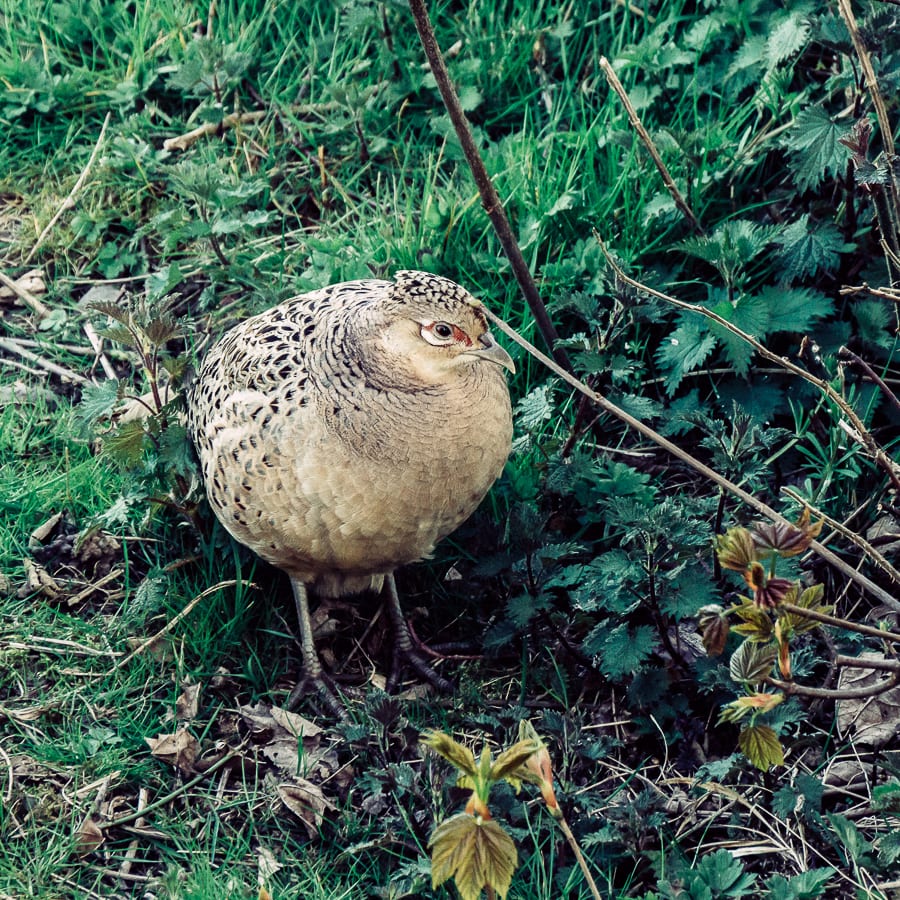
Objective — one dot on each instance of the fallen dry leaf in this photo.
(187, 704)
(267, 865)
(37, 578)
(280, 723)
(43, 531)
(88, 838)
(179, 749)
(306, 801)
(874, 721)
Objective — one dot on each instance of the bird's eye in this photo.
(443, 330)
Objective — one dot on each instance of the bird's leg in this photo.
(403, 648)
(313, 675)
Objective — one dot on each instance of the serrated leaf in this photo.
(624, 649)
(751, 662)
(534, 408)
(761, 746)
(814, 140)
(127, 443)
(795, 309)
(475, 852)
(722, 874)
(684, 350)
(807, 885)
(97, 400)
(808, 248)
(787, 38)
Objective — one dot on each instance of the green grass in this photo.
(584, 570)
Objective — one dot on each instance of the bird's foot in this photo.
(418, 663)
(323, 689)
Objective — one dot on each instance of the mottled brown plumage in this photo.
(344, 432)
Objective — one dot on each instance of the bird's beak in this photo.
(492, 351)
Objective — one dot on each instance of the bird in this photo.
(344, 432)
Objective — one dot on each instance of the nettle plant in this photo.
(770, 622)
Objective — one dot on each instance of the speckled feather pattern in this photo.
(336, 443)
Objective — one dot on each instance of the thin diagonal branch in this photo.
(489, 197)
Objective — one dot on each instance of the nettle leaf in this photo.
(815, 143)
(684, 350)
(623, 649)
(127, 443)
(787, 38)
(534, 408)
(808, 248)
(873, 317)
(795, 309)
(97, 400)
(731, 246)
(749, 313)
(761, 746)
(643, 408)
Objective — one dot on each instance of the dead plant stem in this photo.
(489, 197)
(644, 135)
(762, 508)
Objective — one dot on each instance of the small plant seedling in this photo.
(472, 847)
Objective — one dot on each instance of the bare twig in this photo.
(791, 688)
(644, 135)
(880, 633)
(69, 202)
(32, 302)
(170, 625)
(13, 346)
(848, 354)
(207, 129)
(871, 81)
(762, 508)
(854, 538)
(579, 856)
(489, 197)
(97, 344)
(885, 293)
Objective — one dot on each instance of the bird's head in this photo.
(438, 328)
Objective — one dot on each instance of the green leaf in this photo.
(97, 400)
(684, 350)
(752, 315)
(807, 885)
(723, 875)
(874, 318)
(127, 443)
(855, 845)
(787, 38)
(534, 408)
(624, 648)
(810, 248)
(761, 746)
(814, 141)
(751, 662)
(795, 309)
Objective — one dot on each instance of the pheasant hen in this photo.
(344, 432)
